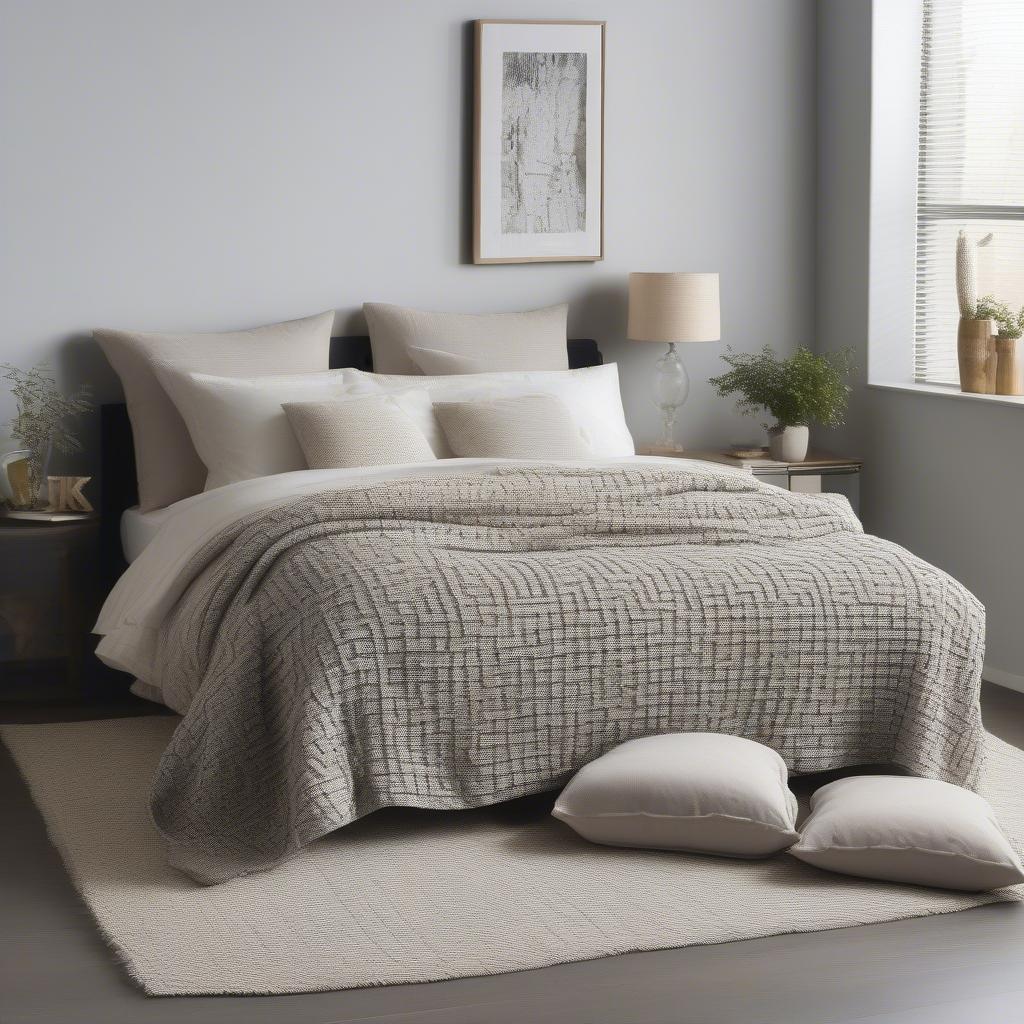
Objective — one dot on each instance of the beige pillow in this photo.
(700, 792)
(900, 829)
(526, 427)
(370, 431)
(166, 462)
(535, 340)
(433, 362)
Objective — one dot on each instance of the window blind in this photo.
(970, 167)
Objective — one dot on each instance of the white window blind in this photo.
(970, 166)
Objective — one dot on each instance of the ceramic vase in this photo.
(788, 444)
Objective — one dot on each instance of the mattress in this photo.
(139, 528)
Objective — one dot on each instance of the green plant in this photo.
(803, 389)
(42, 411)
(1011, 325)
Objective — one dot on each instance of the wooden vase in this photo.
(976, 354)
(1009, 367)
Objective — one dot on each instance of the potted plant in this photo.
(798, 391)
(975, 342)
(1010, 327)
(39, 425)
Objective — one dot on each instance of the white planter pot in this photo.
(788, 444)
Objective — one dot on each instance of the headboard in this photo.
(118, 488)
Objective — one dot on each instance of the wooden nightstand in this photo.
(820, 473)
(49, 598)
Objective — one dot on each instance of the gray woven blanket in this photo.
(454, 641)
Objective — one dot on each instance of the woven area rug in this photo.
(409, 896)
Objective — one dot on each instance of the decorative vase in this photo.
(788, 444)
(16, 479)
(976, 354)
(1009, 367)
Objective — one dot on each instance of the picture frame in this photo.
(538, 176)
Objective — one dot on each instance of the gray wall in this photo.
(209, 165)
(212, 164)
(942, 475)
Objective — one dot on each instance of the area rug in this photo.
(411, 896)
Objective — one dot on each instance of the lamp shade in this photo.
(674, 307)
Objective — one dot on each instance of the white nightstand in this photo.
(820, 473)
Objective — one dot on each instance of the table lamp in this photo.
(673, 308)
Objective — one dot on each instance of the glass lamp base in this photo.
(671, 388)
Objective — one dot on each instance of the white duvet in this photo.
(146, 593)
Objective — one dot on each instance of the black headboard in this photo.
(118, 487)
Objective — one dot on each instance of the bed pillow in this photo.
(900, 829)
(527, 427)
(374, 430)
(700, 792)
(591, 395)
(238, 425)
(433, 362)
(535, 340)
(167, 464)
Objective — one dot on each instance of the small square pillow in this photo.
(371, 431)
(900, 829)
(696, 791)
(534, 340)
(526, 427)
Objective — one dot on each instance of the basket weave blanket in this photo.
(454, 642)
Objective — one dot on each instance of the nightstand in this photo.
(49, 598)
(820, 473)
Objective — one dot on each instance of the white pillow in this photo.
(900, 829)
(166, 462)
(534, 340)
(591, 395)
(237, 424)
(373, 430)
(700, 792)
(527, 427)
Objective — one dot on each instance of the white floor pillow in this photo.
(701, 792)
(900, 829)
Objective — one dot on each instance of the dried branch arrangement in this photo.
(43, 410)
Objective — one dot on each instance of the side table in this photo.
(49, 598)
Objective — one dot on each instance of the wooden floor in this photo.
(966, 967)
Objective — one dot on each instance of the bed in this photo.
(124, 531)
(457, 633)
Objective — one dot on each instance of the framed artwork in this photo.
(538, 183)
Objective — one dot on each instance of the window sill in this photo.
(945, 391)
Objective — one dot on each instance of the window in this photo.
(970, 166)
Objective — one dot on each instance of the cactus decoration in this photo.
(967, 273)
